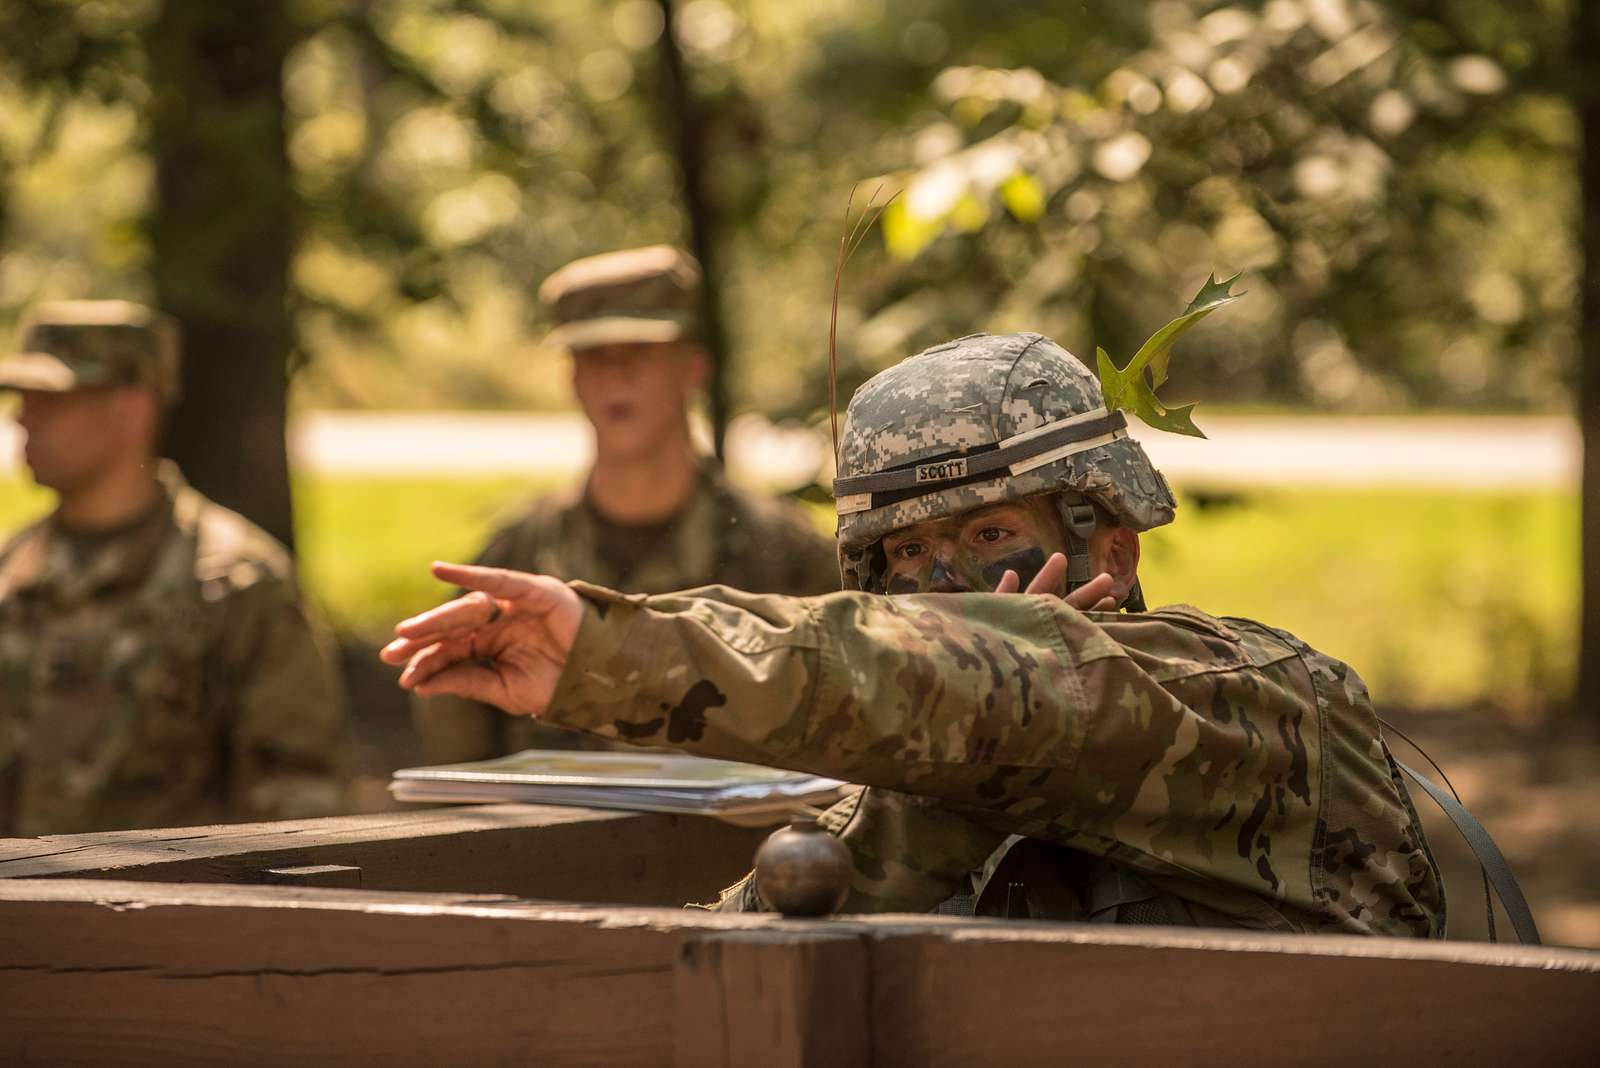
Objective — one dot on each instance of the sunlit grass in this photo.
(365, 543)
(1437, 598)
(1434, 597)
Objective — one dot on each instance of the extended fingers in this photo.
(473, 610)
(423, 659)
(399, 651)
(1094, 595)
(1008, 582)
(494, 581)
(423, 663)
(1048, 580)
(467, 678)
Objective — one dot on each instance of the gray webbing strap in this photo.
(1489, 857)
(1079, 516)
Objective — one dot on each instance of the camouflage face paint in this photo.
(1026, 564)
(973, 551)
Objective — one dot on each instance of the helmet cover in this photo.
(976, 421)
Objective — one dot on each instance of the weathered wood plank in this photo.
(97, 971)
(129, 980)
(1149, 996)
(143, 973)
(773, 998)
(567, 854)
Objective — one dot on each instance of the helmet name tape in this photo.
(1063, 437)
(942, 470)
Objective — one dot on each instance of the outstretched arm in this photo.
(507, 641)
(1181, 745)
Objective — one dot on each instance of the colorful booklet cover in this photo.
(646, 781)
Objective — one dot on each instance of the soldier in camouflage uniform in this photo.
(651, 516)
(156, 666)
(1041, 754)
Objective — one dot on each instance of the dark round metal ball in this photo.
(802, 870)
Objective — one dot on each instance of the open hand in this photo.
(504, 643)
(1092, 596)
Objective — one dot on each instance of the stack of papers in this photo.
(642, 782)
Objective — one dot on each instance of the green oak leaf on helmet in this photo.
(1129, 389)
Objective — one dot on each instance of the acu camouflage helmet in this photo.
(976, 421)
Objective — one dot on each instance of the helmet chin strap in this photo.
(1078, 516)
(1134, 602)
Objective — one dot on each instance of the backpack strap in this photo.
(1494, 865)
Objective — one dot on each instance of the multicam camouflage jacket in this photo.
(1223, 761)
(724, 536)
(163, 675)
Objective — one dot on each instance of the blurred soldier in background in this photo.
(651, 515)
(156, 665)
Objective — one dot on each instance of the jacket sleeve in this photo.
(287, 730)
(1174, 752)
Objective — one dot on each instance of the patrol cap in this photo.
(636, 296)
(79, 344)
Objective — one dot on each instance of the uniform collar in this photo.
(45, 563)
(696, 539)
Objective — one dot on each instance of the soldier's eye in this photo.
(992, 534)
(909, 549)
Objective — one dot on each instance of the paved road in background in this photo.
(1488, 452)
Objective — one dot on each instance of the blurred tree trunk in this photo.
(221, 239)
(1586, 78)
(685, 126)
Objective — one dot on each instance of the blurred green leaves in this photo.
(1397, 179)
(1358, 160)
(906, 234)
(1023, 197)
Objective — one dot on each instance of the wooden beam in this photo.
(135, 973)
(1024, 993)
(146, 973)
(773, 998)
(567, 854)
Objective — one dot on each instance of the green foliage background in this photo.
(1395, 179)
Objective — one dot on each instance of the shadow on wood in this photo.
(564, 854)
(142, 973)
(98, 967)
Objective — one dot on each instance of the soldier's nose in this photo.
(943, 580)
